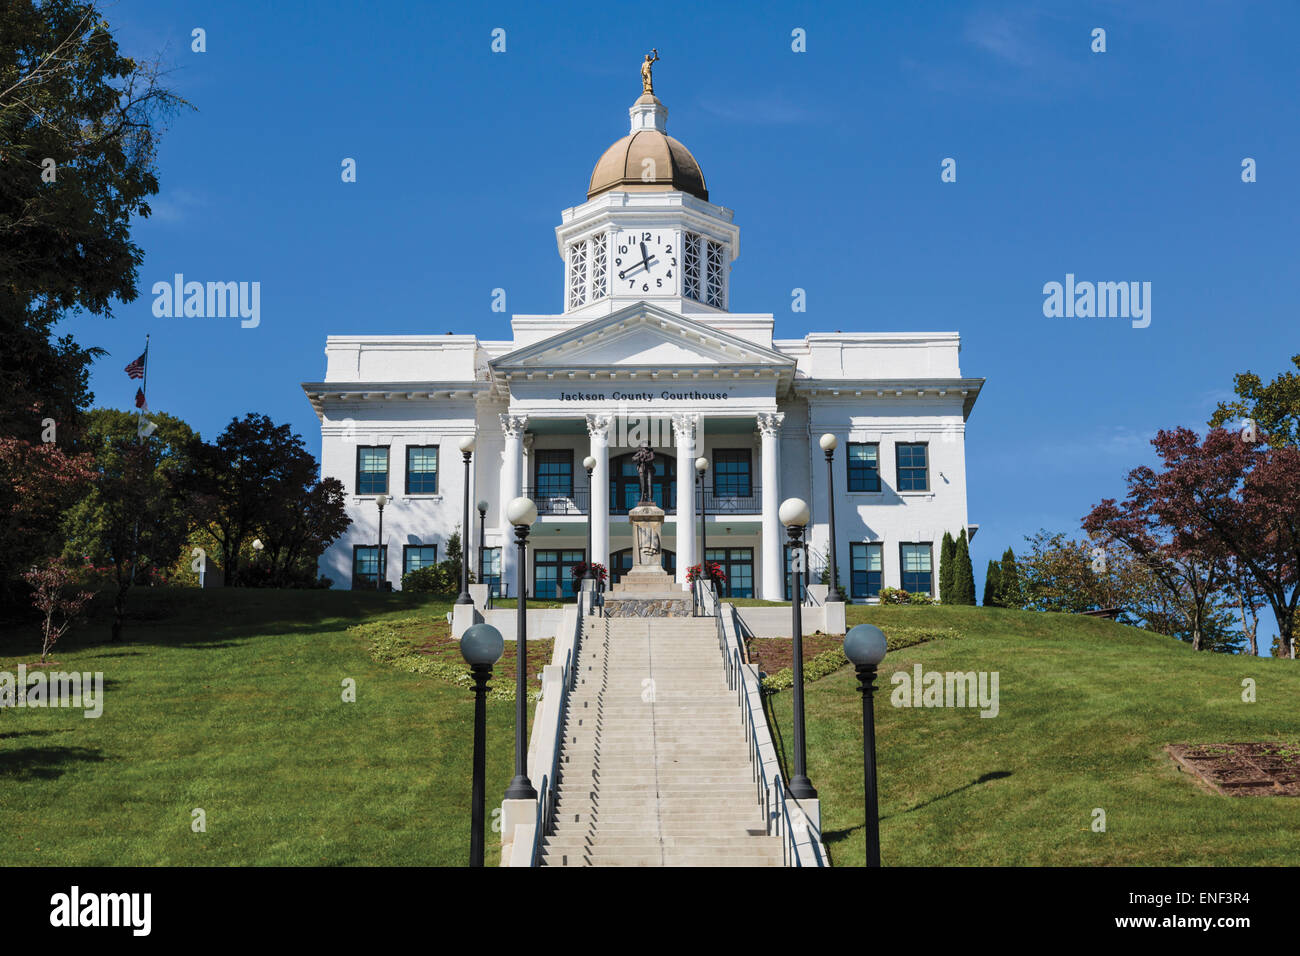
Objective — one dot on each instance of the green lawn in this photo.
(231, 701)
(1086, 709)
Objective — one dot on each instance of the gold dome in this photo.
(624, 166)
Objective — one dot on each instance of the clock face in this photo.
(645, 261)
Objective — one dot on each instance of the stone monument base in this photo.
(647, 579)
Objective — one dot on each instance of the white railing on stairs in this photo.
(547, 740)
(770, 791)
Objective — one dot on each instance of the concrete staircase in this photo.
(654, 765)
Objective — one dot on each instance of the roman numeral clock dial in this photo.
(646, 261)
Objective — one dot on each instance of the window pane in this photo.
(490, 570)
(912, 471)
(863, 467)
(554, 471)
(419, 556)
(422, 469)
(365, 564)
(732, 473)
(372, 471)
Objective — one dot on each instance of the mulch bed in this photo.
(773, 653)
(441, 645)
(1242, 770)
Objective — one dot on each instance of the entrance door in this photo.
(552, 580)
(738, 565)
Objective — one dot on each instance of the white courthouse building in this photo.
(647, 348)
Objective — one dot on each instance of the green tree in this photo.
(993, 585)
(1012, 592)
(131, 520)
(1275, 407)
(67, 95)
(947, 552)
(258, 478)
(963, 575)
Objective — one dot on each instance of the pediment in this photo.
(641, 336)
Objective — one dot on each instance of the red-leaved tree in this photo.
(54, 595)
(1247, 496)
(1182, 555)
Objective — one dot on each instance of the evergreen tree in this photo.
(963, 579)
(993, 585)
(1012, 593)
(947, 550)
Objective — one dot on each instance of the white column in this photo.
(769, 427)
(598, 430)
(511, 487)
(684, 437)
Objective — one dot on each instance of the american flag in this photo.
(136, 368)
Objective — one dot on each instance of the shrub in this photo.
(947, 553)
(899, 596)
(962, 589)
(442, 579)
(993, 585)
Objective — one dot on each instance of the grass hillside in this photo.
(1087, 707)
(231, 701)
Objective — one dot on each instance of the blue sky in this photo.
(1115, 166)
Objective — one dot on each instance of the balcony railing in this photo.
(577, 502)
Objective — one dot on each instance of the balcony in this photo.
(577, 502)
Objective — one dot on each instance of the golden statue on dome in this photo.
(647, 76)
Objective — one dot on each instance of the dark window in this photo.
(789, 573)
(917, 574)
(864, 467)
(490, 570)
(913, 475)
(416, 556)
(365, 564)
(732, 473)
(738, 565)
(866, 573)
(553, 473)
(421, 469)
(551, 577)
(372, 470)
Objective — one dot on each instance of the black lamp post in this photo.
(521, 513)
(381, 555)
(481, 646)
(794, 514)
(482, 519)
(828, 443)
(589, 463)
(865, 647)
(467, 452)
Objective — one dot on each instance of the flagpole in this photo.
(144, 387)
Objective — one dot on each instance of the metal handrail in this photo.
(548, 792)
(764, 788)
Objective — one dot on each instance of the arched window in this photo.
(625, 489)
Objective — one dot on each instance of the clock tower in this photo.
(647, 231)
